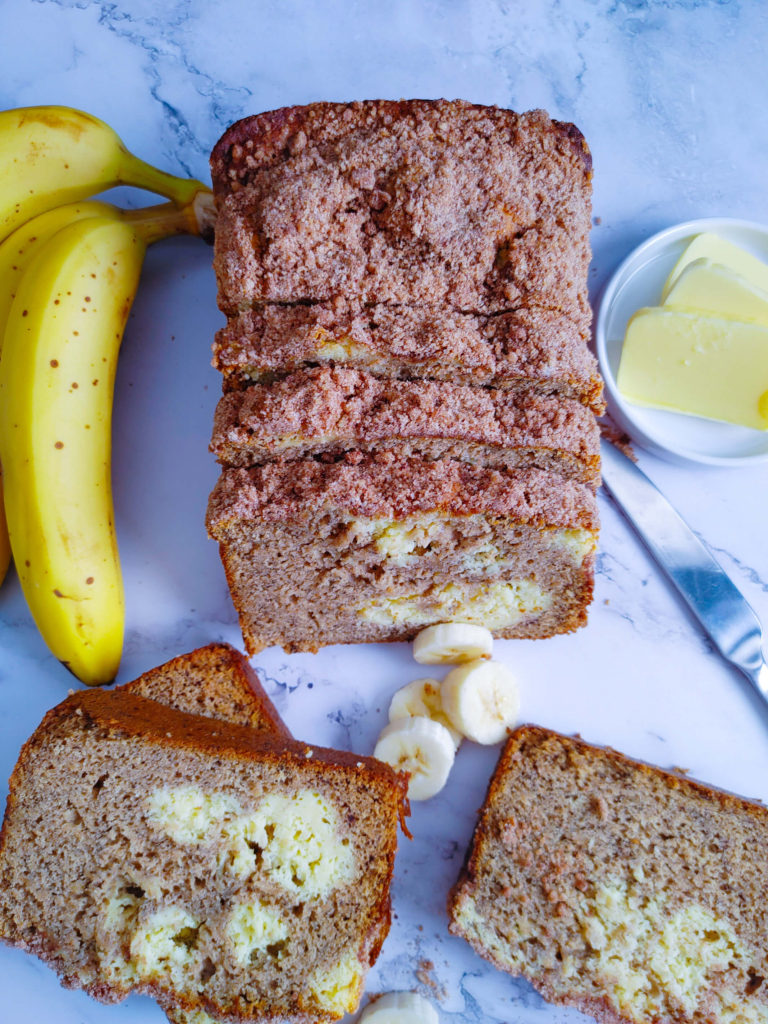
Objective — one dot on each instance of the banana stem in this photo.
(139, 173)
(152, 223)
(205, 212)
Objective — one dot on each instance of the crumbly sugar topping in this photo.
(384, 485)
(412, 202)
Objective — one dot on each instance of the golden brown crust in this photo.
(130, 715)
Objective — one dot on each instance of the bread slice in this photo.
(532, 348)
(373, 548)
(632, 893)
(228, 871)
(215, 681)
(326, 412)
(412, 202)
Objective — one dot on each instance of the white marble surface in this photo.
(671, 97)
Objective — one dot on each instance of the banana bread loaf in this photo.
(629, 892)
(326, 412)
(373, 548)
(228, 871)
(372, 259)
(410, 202)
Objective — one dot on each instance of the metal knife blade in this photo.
(716, 602)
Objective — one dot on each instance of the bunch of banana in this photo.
(50, 156)
(69, 271)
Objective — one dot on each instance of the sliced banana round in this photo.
(421, 747)
(452, 643)
(400, 1008)
(481, 699)
(422, 697)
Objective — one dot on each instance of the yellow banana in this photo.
(54, 155)
(16, 253)
(20, 247)
(61, 343)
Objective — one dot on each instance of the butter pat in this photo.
(708, 287)
(705, 365)
(709, 247)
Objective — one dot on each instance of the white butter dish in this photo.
(638, 282)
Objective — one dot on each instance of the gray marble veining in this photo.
(671, 98)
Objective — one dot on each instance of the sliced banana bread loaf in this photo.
(373, 548)
(420, 246)
(228, 871)
(629, 892)
(410, 202)
(326, 412)
(215, 681)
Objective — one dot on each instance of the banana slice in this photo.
(481, 699)
(422, 698)
(421, 747)
(400, 1008)
(452, 643)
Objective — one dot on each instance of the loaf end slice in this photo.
(275, 138)
(629, 892)
(416, 202)
(215, 681)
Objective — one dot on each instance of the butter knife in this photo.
(715, 601)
